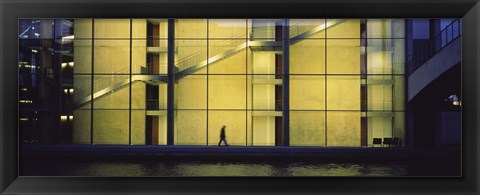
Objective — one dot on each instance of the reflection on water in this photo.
(212, 169)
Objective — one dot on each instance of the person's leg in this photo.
(219, 142)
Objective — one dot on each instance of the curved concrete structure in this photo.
(441, 62)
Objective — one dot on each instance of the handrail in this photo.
(434, 45)
(97, 83)
(184, 66)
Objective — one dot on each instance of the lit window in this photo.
(26, 101)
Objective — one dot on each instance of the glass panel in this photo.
(140, 62)
(308, 57)
(307, 28)
(343, 56)
(263, 133)
(264, 65)
(112, 29)
(235, 127)
(139, 29)
(82, 91)
(380, 93)
(307, 92)
(379, 126)
(191, 92)
(385, 28)
(227, 92)
(343, 93)
(307, 128)
(139, 94)
(156, 28)
(191, 53)
(112, 91)
(110, 126)
(227, 56)
(36, 29)
(81, 126)
(262, 29)
(399, 127)
(264, 97)
(385, 56)
(227, 28)
(399, 93)
(82, 56)
(190, 127)
(191, 28)
(343, 128)
(343, 28)
(112, 56)
(83, 29)
(138, 127)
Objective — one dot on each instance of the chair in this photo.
(377, 141)
(388, 141)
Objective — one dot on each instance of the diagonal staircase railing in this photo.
(190, 64)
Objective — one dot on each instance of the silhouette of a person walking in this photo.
(223, 137)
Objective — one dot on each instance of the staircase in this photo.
(188, 65)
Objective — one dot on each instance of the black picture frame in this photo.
(11, 11)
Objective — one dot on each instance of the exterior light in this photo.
(24, 89)
(70, 117)
(65, 91)
(37, 34)
(70, 90)
(69, 38)
(70, 64)
(454, 99)
(64, 65)
(63, 117)
(24, 119)
(34, 51)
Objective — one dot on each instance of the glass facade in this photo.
(346, 81)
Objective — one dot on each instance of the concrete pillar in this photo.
(171, 81)
(286, 83)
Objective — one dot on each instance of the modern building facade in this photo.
(271, 82)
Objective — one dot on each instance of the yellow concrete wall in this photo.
(308, 57)
(227, 28)
(190, 125)
(307, 128)
(343, 128)
(110, 126)
(81, 126)
(299, 26)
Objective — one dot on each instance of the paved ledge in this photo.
(238, 152)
